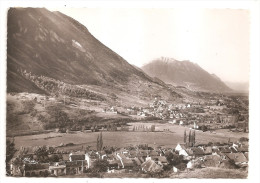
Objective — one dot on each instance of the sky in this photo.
(215, 39)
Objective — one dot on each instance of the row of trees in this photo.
(43, 154)
(191, 138)
(144, 128)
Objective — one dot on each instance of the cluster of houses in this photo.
(211, 114)
(215, 155)
(110, 110)
(149, 160)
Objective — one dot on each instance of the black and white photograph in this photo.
(151, 92)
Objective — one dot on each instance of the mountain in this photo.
(184, 73)
(49, 52)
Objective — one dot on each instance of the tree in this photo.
(22, 151)
(100, 166)
(193, 138)
(51, 150)
(55, 157)
(83, 128)
(184, 136)
(42, 153)
(189, 137)
(99, 142)
(153, 128)
(10, 150)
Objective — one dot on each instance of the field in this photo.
(122, 138)
(211, 173)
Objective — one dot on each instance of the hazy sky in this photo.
(216, 39)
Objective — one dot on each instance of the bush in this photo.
(181, 166)
(100, 166)
(243, 139)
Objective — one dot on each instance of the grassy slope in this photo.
(25, 115)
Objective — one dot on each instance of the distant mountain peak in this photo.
(184, 73)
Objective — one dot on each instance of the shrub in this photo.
(181, 166)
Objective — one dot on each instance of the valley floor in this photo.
(122, 138)
(211, 173)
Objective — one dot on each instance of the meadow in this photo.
(165, 135)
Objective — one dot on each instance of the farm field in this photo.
(212, 173)
(122, 138)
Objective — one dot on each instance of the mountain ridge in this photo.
(184, 73)
(43, 43)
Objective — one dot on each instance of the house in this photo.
(175, 170)
(16, 169)
(197, 152)
(137, 161)
(237, 157)
(114, 164)
(36, 170)
(186, 153)
(101, 154)
(76, 156)
(163, 160)
(180, 147)
(183, 152)
(243, 148)
(153, 153)
(208, 150)
(190, 165)
(65, 157)
(58, 168)
(127, 163)
(212, 160)
(158, 159)
(151, 166)
(225, 149)
(76, 167)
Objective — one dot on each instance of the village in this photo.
(217, 113)
(150, 160)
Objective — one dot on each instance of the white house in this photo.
(183, 152)
(180, 147)
(181, 122)
(175, 170)
(190, 165)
